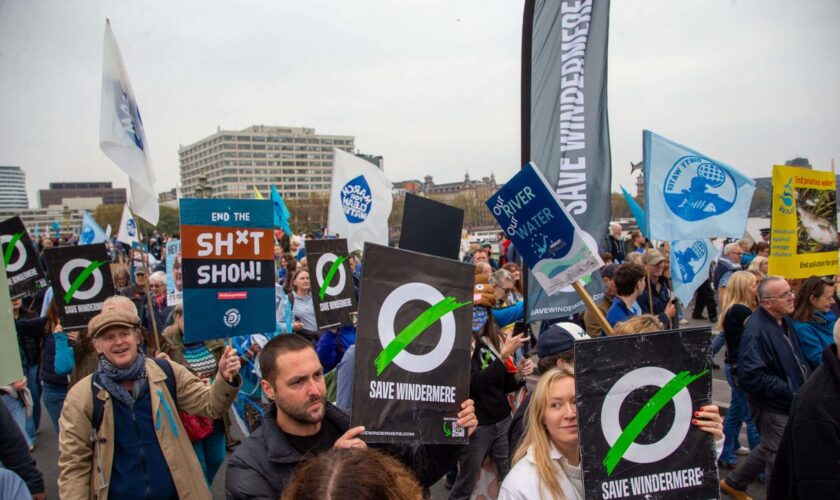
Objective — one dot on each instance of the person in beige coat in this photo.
(140, 449)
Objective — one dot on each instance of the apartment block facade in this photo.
(232, 164)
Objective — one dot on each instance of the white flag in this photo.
(121, 134)
(360, 201)
(128, 228)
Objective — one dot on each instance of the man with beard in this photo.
(301, 423)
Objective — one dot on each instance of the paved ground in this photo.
(46, 452)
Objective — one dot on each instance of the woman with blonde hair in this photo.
(759, 265)
(547, 463)
(739, 302)
(644, 323)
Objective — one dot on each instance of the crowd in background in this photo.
(291, 389)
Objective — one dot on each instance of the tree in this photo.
(760, 204)
(169, 221)
(308, 214)
(619, 206)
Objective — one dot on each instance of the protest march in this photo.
(291, 321)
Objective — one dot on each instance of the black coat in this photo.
(771, 367)
(263, 464)
(15, 455)
(660, 300)
(808, 460)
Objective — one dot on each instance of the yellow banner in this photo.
(804, 223)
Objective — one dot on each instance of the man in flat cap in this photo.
(119, 432)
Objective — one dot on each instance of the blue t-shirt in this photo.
(619, 312)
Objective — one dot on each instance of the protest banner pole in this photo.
(148, 293)
(587, 299)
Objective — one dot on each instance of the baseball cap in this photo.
(608, 271)
(559, 337)
(112, 317)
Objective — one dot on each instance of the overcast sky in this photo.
(433, 86)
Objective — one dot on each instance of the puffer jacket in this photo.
(85, 460)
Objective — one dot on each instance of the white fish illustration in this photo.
(818, 228)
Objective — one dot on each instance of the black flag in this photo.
(431, 227)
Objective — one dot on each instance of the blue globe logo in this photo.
(712, 173)
(697, 188)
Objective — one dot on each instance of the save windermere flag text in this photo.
(565, 127)
(412, 347)
(227, 252)
(81, 281)
(637, 395)
(332, 282)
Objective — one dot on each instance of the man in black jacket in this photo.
(771, 369)
(302, 423)
(809, 455)
(15, 456)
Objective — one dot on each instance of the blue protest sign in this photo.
(549, 240)
(227, 259)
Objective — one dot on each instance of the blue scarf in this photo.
(112, 378)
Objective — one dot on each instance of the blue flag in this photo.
(91, 232)
(690, 262)
(637, 211)
(281, 213)
(689, 195)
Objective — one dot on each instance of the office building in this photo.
(13, 188)
(232, 164)
(59, 192)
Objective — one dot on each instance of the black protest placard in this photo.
(81, 281)
(412, 347)
(20, 258)
(431, 227)
(332, 282)
(636, 398)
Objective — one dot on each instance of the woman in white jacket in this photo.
(547, 463)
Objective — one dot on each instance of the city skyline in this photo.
(433, 87)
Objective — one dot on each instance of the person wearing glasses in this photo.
(161, 311)
(771, 370)
(727, 264)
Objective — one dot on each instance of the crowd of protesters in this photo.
(141, 413)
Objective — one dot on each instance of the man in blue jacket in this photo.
(771, 369)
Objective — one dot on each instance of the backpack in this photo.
(98, 404)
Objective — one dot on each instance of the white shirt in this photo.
(523, 482)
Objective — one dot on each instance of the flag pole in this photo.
(149, 304)
(590, 303)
